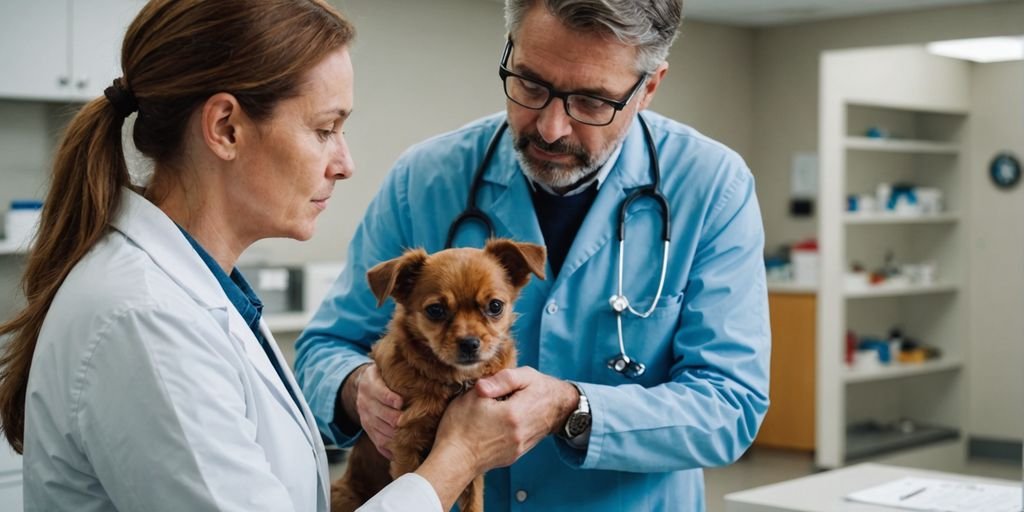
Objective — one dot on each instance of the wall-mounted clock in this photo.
(1005, 170)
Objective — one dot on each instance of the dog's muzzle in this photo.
(469, 350)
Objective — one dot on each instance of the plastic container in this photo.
(21, 223)
(805, 261)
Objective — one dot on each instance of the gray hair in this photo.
(649, 25)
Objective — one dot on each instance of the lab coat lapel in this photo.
(241, 333)
(601, 223)
(307, 415)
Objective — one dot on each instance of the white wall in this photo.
(996, 256)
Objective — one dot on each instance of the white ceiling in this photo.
(775, 12)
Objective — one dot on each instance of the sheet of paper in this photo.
(935, 495)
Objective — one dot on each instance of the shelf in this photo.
(895, 218)
(288, 322)
(898, 371)
(907, 107)
(896, 290)
(902, 146)
(863, 441)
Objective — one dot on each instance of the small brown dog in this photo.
(451, 327)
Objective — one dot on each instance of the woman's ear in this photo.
(222, 121)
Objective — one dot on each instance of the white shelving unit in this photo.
(897, 371)
(882, 218)
(913, 413)
(902, 146)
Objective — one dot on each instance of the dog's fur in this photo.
(430, 361)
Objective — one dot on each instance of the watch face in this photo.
(578, 424)
(1005, 170)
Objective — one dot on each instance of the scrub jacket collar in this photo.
(632, 169)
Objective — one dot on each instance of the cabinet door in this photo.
(790, 419)
(97, 32)
(34, 49)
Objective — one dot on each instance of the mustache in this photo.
(560, 146)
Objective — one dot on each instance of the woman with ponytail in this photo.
(139, 376)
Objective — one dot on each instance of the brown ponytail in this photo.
(176, 54)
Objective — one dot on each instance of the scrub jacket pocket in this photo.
(647, 340)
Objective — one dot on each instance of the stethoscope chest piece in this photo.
(619, 303)
(626, 366)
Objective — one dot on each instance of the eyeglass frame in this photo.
(504, 72)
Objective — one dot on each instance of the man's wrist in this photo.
(346, 414)
(576, 427)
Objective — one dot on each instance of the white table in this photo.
(824, 492)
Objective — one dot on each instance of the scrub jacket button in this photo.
(552, 308)
(521, 495)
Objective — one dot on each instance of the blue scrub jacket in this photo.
(706, 346)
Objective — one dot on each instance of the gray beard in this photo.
(561, 177)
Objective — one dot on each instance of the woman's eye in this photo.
(435, 312)
(323, 135)
(495, 307)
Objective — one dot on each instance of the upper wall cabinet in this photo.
(61, 50)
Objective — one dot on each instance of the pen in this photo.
(912, 493)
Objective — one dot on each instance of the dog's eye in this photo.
(435, 312)
(495, 307)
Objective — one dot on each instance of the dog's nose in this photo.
(469, 346)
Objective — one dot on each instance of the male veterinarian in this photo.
(578, 75)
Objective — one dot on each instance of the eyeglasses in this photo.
(535, 95)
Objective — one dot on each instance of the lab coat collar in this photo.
(156, 234)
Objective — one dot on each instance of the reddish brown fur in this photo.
(418, 357)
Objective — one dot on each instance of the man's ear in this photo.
(519, 259)
(396, 278)
(649, 88)
(222, 118)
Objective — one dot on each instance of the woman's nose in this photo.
(342, 165)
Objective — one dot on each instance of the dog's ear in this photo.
(519, 259)
(396, 278)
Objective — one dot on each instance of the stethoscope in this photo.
(620, 304)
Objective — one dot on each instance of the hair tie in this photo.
(121, 98)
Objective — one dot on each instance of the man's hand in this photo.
(371, 404)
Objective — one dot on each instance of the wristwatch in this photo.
(579, 420)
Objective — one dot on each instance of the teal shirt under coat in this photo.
(706, 346)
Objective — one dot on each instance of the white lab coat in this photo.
(149, 392)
